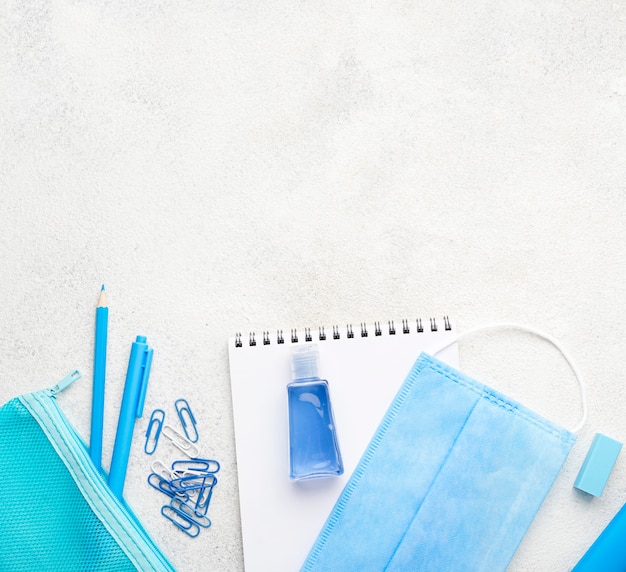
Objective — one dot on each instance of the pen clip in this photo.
(147, 364)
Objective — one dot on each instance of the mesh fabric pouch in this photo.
(56, 510)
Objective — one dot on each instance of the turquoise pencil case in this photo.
(56, 510)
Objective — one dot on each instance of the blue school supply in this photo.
(188, 526)
(164, 485)
(133, 401)
(190, 482)
(608, 552)
(196, 466)
(153, 432)
(187, 512)
(598, 465)
(187, 420)
(99, 371)
(194, 482)
(71, 520)
(189, 485)
(451, 480)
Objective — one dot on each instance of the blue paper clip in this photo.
(163, 485)
(181, 520)
(157, 418)
(194, 482)
(204, 498)
(187, 420)
(189, 513)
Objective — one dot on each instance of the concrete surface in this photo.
(226, 167)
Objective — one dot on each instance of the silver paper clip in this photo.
(195, 465)
(160, 468)
(180, 441)
(187, 420)
(152, 440)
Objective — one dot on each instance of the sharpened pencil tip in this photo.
(102, 299)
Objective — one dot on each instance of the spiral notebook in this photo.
(365, 366)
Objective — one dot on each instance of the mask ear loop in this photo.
(540, 334)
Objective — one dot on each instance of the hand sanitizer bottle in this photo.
(313, 447)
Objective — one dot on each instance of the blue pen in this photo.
(132, 408)
(99, 369)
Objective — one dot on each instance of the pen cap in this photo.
(304, 363)
(598, 465)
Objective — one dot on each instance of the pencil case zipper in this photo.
(115, 514)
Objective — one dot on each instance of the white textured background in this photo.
(225, 167)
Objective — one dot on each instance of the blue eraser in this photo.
(598, 465)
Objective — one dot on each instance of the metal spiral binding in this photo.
(321, 336)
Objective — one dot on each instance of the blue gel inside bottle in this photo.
(313, 446)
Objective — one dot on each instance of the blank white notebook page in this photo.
(364, 367)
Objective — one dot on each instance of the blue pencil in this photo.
(99, 370)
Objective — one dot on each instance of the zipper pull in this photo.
(65, 382)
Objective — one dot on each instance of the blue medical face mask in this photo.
(451, 480)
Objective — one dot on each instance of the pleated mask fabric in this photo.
(451, 480)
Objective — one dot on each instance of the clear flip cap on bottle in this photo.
(313, 446)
